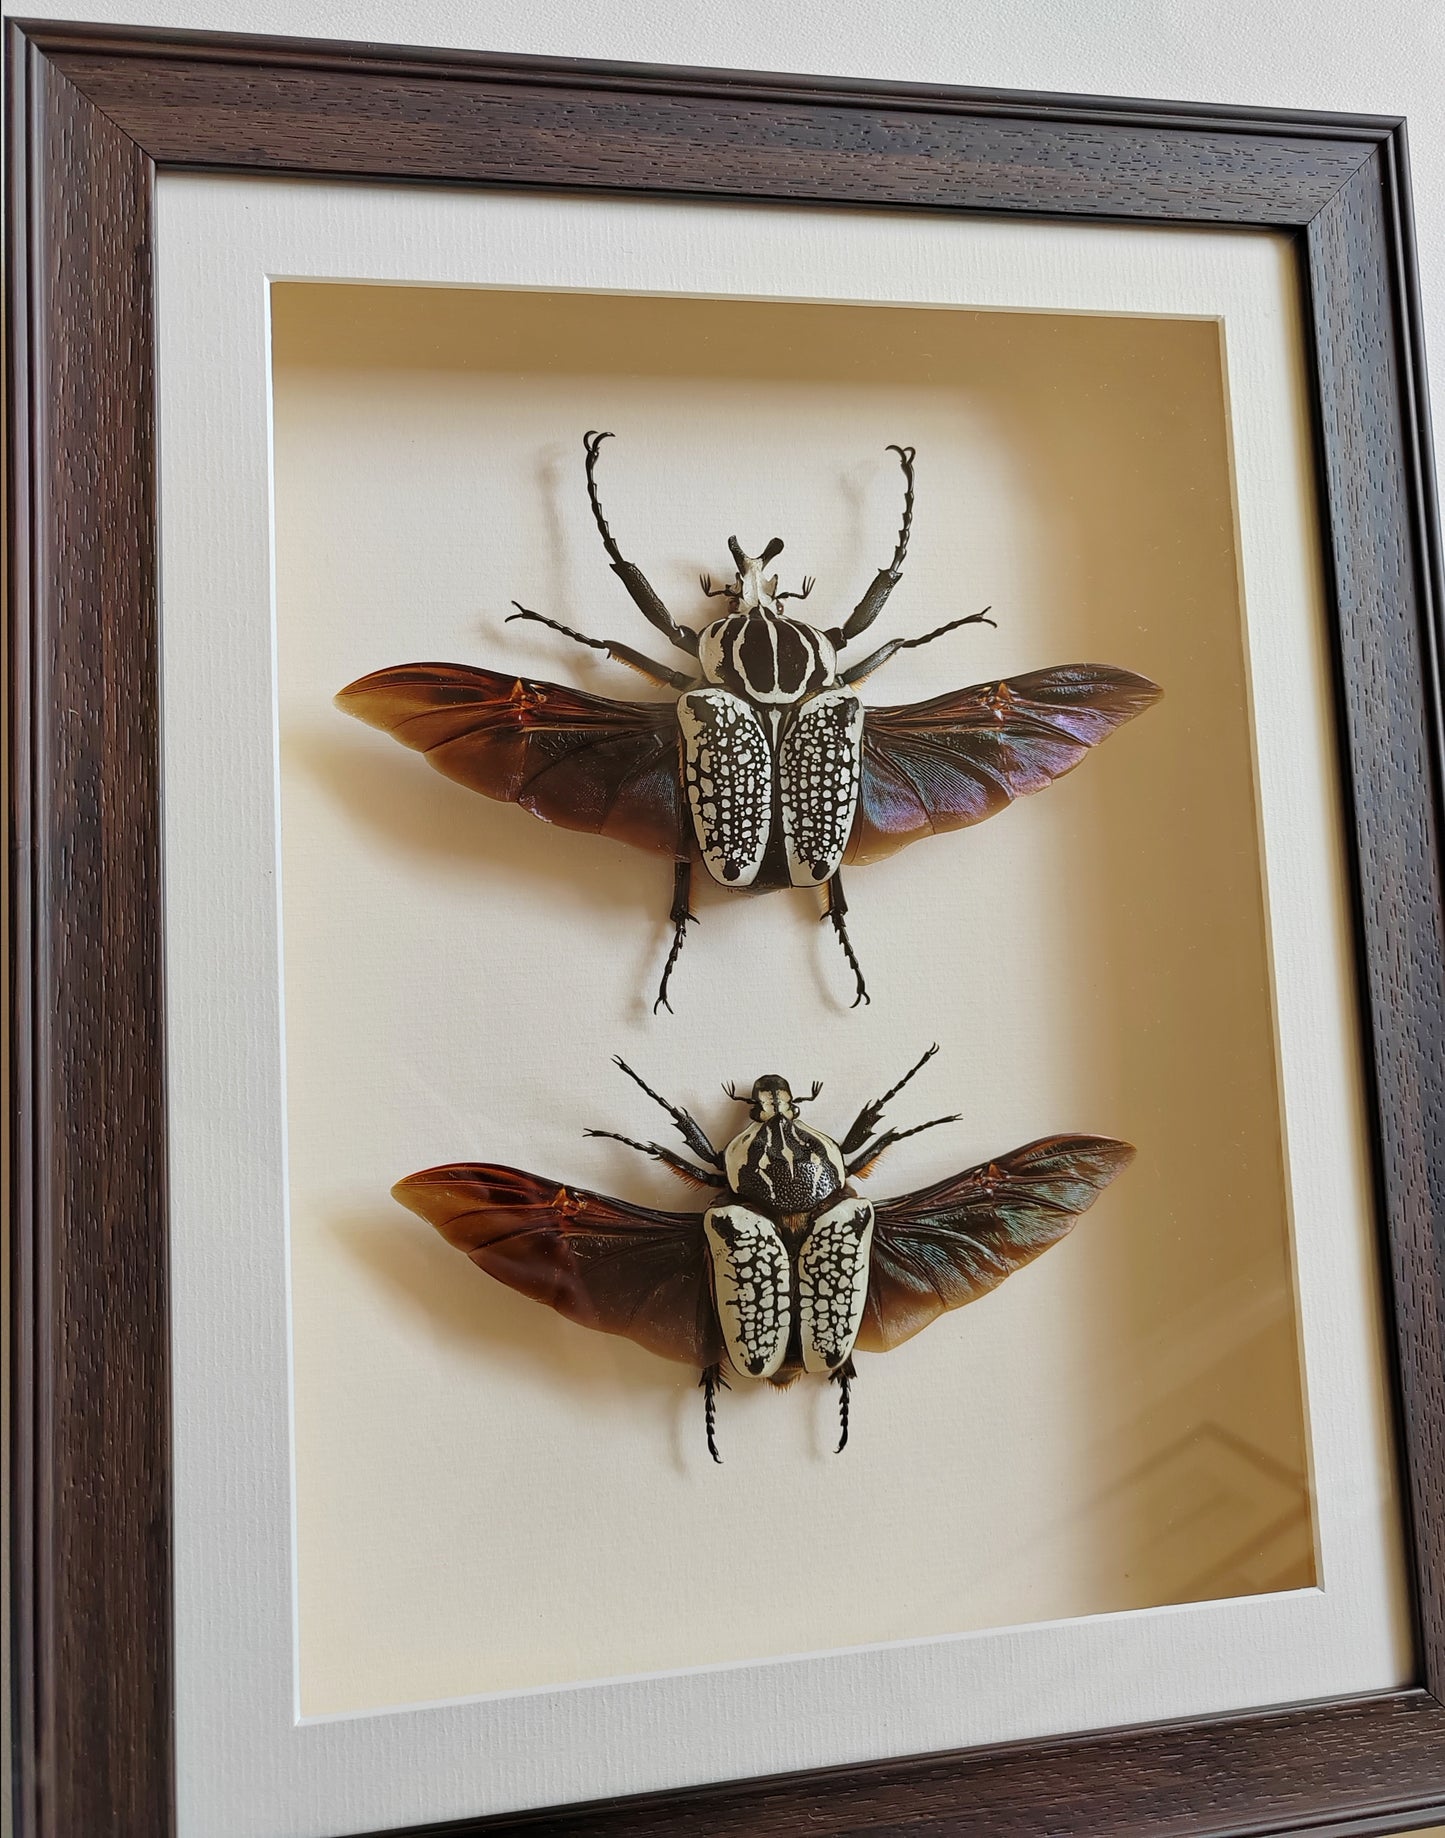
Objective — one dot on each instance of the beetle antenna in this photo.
(808, 1097)
(808, 585)
(713, 593)
(733, 1092)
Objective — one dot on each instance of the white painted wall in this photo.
(1386, 58)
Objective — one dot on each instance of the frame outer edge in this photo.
(1425, 1455)
(120, 1705)
(90, 1380)
(1382, 535)
(269, 50)
(28, 1677)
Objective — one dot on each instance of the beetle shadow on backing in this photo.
(416, 813)
(469, 1311)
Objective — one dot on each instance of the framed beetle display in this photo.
(372, 1544)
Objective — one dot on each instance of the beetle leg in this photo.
(868, 1155)
(843, 1378)
(644, 595)
(698, 1177)
(837, 908)
(687, 1125)
(712, 1378)
(871, 1115)
(619, 653)
(884, 652)
(681, 917)
(886, 579)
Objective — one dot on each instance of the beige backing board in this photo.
(488, 1497)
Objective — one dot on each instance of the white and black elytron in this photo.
(789, 1270)
(767, 768)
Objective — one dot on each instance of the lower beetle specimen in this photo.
(789, 1270)
(766, 767)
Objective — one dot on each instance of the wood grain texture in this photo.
(502, 127)
(90, 110)
(1387, 604)
(91, 1524)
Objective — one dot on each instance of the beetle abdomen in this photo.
(833, 1283)
(751, 1284)
(728, 769)
(819, 766)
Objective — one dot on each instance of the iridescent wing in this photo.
(941, 765)
(600, 1262)
(951, 1243)
(580, 761)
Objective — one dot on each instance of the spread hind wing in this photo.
(621, 1269)
(943, 764)
(951, 1243)
(577, 760)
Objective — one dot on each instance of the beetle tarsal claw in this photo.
(843, 1379)
(711, 1381)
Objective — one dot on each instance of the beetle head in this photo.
(772, 1096)
(750, 590)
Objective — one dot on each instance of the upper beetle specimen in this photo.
(788, 1270)
(767, 766)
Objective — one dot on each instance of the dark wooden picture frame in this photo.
(93, 114)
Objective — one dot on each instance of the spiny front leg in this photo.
(689, 1171)
(836, 911)
(619, 653)
(843, 1378)
(867, 1157)
(681, 916)
(644, 595)
(871, 1115)
(687, 1126)
(884, 652)
(712, 1378)
(886, 579)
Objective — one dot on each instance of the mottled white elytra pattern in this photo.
(833, 1283)
(728, 770)
(751, 1283)
(819, 767)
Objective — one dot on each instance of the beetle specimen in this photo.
(789, 1269)
(767, 767)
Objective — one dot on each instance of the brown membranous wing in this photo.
(622, 1269)
(943, 764)
(577, 760)
(950, 1243)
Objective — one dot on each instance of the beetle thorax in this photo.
(781, 1164)
(767, 657)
